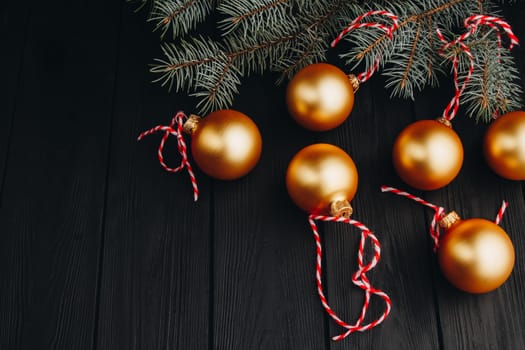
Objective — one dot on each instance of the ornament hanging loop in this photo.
(440, 219)
(178, 121)
(472, 24)
(356, 24)
(452, 108)
(439, 212)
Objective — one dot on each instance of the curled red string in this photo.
(178, 120)
(356, 24)
(439, 212)
(472, 24)
(359, 278)
(452, 108)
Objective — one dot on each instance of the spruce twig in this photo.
(286, 35)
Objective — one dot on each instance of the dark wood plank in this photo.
(264, 291)
(54, 188)
(155, 271)
(13, 33)
(13, 36)
(493, 320)
(404, 271)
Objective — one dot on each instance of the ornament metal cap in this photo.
(444, 121)
(448, 220)
(341, 208)
(354, 81)
(190, 125)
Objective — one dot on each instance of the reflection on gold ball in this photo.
(320, 97)
(476, 255)
(427, 155)
(320, 175)
(226, 144)
(504, 146)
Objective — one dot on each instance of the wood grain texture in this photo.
(13, 34)
(404, 271)
(264, 253)
(53, 196)
(155, 267)
(101, 249)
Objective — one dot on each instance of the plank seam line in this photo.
(102, 229)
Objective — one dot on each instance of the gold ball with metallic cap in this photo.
(320, 97)
(475, 255)
(226, 144)
(428, 154)
(504, 145)
(322, 179)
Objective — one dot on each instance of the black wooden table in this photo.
(102, 249)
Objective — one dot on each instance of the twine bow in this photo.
(439, 212)
(359, 278)
(356, 24)
(178, 120)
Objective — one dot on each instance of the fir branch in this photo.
(179, 15)
(286, 35)
(410, 60)
(280, 49)
(494, 87)
(249, 16)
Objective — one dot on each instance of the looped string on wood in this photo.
(178, 120)
(439, 212)
(359, 278)
(356, 24)
(472, 24)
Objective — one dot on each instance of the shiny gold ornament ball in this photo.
(320, 175)
(476, 255)
(226, 144)
(504, 146)
(427, 155)
(320, 97)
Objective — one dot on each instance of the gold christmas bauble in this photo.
(427, 154)
(321, 177)
(320, 97)
(476, 255)
(504, 146)
(226, 144)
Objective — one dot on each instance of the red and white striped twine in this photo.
(178, 119)
(439, 212)
(356, 24)
(472, 24)
(452, 108)
(501, 211)
(359, 278)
